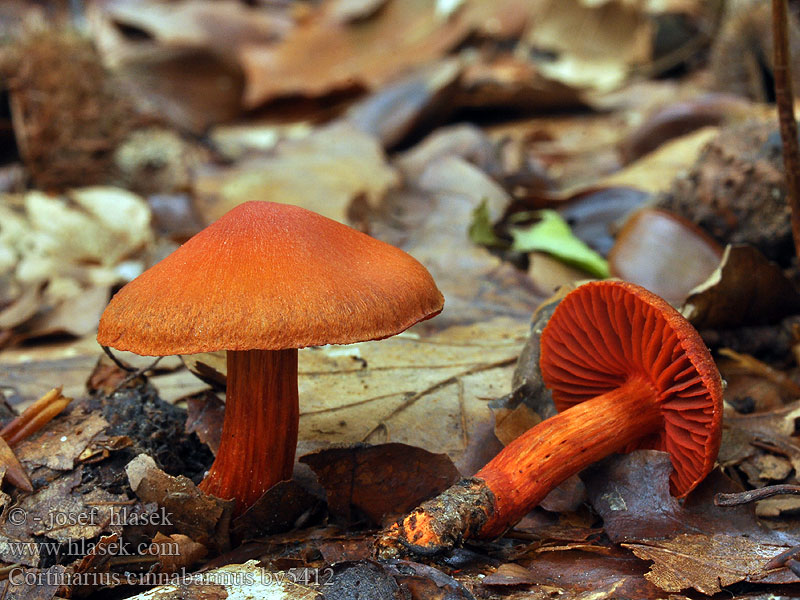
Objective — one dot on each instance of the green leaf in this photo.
(481, 230)
(553, 235)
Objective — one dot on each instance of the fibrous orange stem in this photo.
(520, 476)
(259, 434)
(537, 461)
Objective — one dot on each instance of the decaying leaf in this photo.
(614, 36)
(631, 493)
(64, 253)
(60, 444)
(60, 514)
(205, 416)
(655, 171)
(279, 509)
(402, 35)
(203, 518)
(583, 575)
(708, 563)
(392, 390)
(431, 221)
(381, 482)
(746, 289)
(323, 172)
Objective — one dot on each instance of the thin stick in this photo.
(754, 495)
(784, 100)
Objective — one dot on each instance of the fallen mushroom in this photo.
(628, 371)
(261, 282)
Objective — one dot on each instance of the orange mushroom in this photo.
(261, 282)
(628, 371)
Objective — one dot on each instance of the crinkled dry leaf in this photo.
(581, 575)
(62, 441)
(366, 54)
(53, 511)
(205, 415)
(220, 25)
(323, 172)
(708, 563)
(746, 289)
(203, 518)
(613, 37)
(381, 481)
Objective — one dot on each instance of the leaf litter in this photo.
(423, 126)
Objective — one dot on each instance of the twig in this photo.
(754, 495)
(117, 361)
(136, 373)
(785, 102)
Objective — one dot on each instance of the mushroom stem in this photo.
(259, 434)
(526, 470)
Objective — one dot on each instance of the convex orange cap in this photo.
(270, 276)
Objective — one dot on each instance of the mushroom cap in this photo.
(605, 333)
(270, 276)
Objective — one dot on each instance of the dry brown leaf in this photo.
(192, 88)
(746, 289)
(511, 81)
(381, 482)
(276, 511)
(219, 25)
(654, 172)
(578, 575)
(176, 551)
(201, 517)
(323, 172)
(596, 43)
(366, 54)
(708, 563)
(663, 252)
(392, 390)
(60, 444)
(58, 513)
(205, 415)
(510, 574)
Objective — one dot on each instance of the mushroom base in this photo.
(259, 434)
(526, 470)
